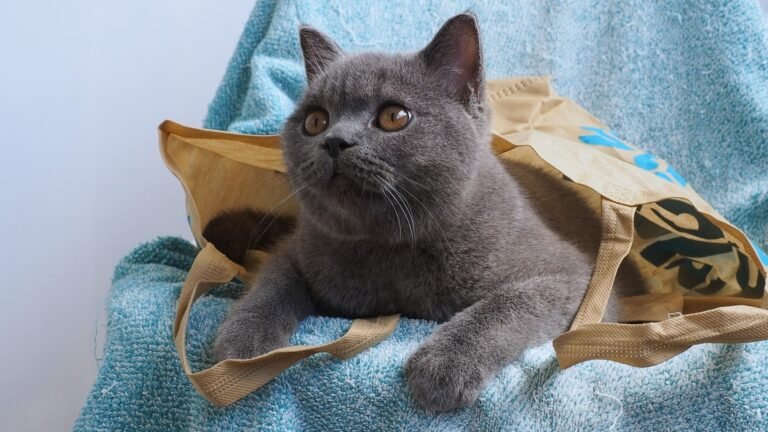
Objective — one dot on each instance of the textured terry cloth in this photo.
(685, 80)
(141, 385)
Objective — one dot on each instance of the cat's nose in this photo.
(334, 146)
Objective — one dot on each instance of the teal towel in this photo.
(141, 386)
(687, 81)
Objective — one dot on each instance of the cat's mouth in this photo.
(337, 177)
(351, 178)
(346, 178)
(341, 182)
(354, 189)
(361, 188)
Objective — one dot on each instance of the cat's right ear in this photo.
(319, 51)
(455, 56)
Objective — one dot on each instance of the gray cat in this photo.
(405, 209)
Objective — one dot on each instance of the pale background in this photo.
(83, 85)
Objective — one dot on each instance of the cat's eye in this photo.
(315, 122)
(393, 118)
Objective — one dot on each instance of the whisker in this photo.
(268, 213)
(399, 225)
(390, 170)
(394, 171)
(432, 217)
(402, 202)
(413, 219)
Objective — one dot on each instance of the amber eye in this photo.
(393, 118)
(316, 122)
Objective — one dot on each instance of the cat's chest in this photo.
(365, 280)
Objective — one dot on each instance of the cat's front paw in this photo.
(244, 338)
(442, 379)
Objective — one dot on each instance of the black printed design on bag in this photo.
(706, 258)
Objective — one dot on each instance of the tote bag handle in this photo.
(652, 343)
(231, 380)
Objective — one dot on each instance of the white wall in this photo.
(83, 86)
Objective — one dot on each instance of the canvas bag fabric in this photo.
(705, 280)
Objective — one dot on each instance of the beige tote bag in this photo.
(705, 280)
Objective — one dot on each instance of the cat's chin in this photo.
(355, 197)
(339, 180)
(344, 185)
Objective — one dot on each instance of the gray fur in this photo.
(424, 221)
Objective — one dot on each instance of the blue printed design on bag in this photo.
(760, 254)
(647, 162)
(603, 138)
(644, 160)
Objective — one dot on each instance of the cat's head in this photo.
(382, 143)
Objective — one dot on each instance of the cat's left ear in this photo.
(319, 51)
(455, 57)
